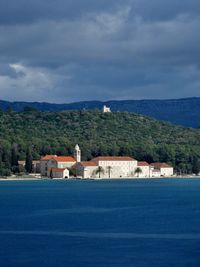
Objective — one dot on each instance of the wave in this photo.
(77, 210)
(99, 235)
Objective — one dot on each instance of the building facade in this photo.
(59, 173)
(107, 167)
(101, 167)
(86, 169)
(44, 164)
(53, 161)
(35, 166)
(162, 169)
(145, 169)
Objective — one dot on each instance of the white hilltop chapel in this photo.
(106, 109)
(54, 166)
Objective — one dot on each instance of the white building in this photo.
(101, 167)
(107, 167)
(59, 173)
(165, 169)
(52, 161)
(116, 167)
(155, 173)
(61, 162)
(86, 169)
(145, 169)
(43, 164)
(106, 109)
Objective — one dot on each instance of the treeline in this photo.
(9, 161)
(119, 133)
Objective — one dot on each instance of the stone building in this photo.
(101, 167)
(86, 169)
(35, 165)
(53, 161)
(107, 167)
(59, 173)
(145, 169)
(165, 169)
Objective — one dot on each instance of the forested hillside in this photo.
(184, 111)
(119, 133)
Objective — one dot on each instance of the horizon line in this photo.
(100, 101)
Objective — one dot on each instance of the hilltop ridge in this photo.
(185, 111)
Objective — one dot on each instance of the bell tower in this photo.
(77, 153)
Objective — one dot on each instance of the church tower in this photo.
(77, 153)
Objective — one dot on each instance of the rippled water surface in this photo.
(100, 223)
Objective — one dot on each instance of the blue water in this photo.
(100, 223)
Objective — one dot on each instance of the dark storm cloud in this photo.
(68, 50)
(27, 11)
(165, 10)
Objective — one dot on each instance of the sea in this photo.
(140, 223)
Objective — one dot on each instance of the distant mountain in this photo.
(184, 111)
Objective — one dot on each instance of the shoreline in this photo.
(95, 179)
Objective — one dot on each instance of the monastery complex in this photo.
(54, 166)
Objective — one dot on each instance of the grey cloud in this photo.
(158, 10)
(111, 82)
(27, 11)
(7, 71)
(62, 51)
(90, 39)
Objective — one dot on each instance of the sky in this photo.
(63, 51)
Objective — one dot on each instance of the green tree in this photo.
(196, 165)
(9, 109)
(138, 171)
(1, 154)
(51, 173)
(14, 159)
(182, 168)
(29, 161)
(73, 171)
(14, 156)
(99, 171)
(5, 172)
(109, 168)
(30, 109)
(6, 158)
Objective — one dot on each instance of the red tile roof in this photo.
(64, 159)
(88, 163)
(59, 158)
(48, 157)
(142, 163)
(113, 159)
(159, 165)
